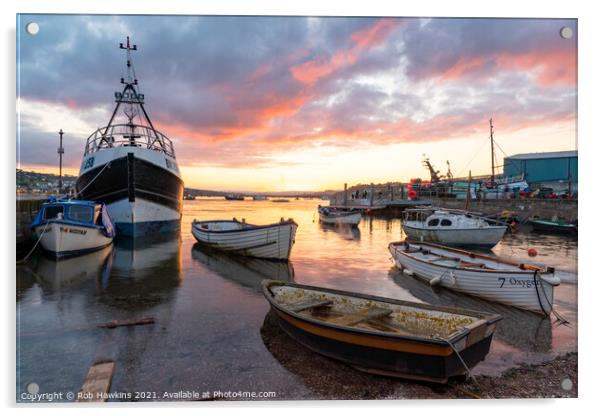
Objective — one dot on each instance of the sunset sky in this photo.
(303, 103)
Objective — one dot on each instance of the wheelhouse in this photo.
(80, 212)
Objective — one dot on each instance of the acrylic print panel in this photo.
(160, 159)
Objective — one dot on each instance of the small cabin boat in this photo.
(280, 200)
(523, 286)
(68, 227)
(339, 216)
(272, 241)
(260, 198)
(559, 226)
(451, 228)
(380, 335)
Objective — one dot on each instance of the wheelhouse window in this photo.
(53, 211)
(81, 213)
(97, 215)
(434, 222)
(446, 223)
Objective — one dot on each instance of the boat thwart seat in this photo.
(361, 316)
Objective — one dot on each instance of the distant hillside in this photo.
(41, 181)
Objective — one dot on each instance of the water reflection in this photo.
(54, 275)
(346, 232)
(246, 271)
(554, 250)
(521, 329)
(141, 273)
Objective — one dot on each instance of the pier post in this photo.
(60, 151)
(371, 194)
(345, 196)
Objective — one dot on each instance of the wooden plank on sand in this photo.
(97, 383)
(127, 322)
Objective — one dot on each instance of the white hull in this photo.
(485, 237)
(348, 219)
(515, 288)
(269, 242)
(63, 239)
(141, 211)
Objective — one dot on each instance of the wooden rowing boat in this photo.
(380, 335)
(339, 216)
(524, 286)
(272, 241)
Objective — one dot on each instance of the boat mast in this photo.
(131, 96)
(492, 153)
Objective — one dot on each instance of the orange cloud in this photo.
(313, 70)
(556, 67)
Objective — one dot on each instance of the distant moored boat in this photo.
(451, 228)
(339, 216)
(234, 197)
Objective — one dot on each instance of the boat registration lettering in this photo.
(89, 163)
(73, 231)
(517, 282)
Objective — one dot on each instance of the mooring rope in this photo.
(93, 179)
(561, 318)
(24, 259)
(470, 375)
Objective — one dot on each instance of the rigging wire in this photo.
(473, 157)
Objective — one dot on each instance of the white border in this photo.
(589, 150)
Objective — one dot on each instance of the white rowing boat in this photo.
(523, 286)
(339, 217)
(272, 241)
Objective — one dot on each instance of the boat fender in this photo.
(408, 272)
(435, 281)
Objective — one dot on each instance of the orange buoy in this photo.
(532, 252)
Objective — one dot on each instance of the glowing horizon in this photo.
(305, 104)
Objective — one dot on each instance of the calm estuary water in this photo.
(209, 310)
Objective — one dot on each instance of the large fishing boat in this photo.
(132, 167)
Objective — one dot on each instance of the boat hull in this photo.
(523, 290)
(550, 227)
(273, 241)
(62, 239)
(347, 219)
(486, 237)
(422, 364)
(141, 188)
(412, 355)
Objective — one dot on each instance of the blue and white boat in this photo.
(71, 227)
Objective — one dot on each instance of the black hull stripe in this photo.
(131, 179)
